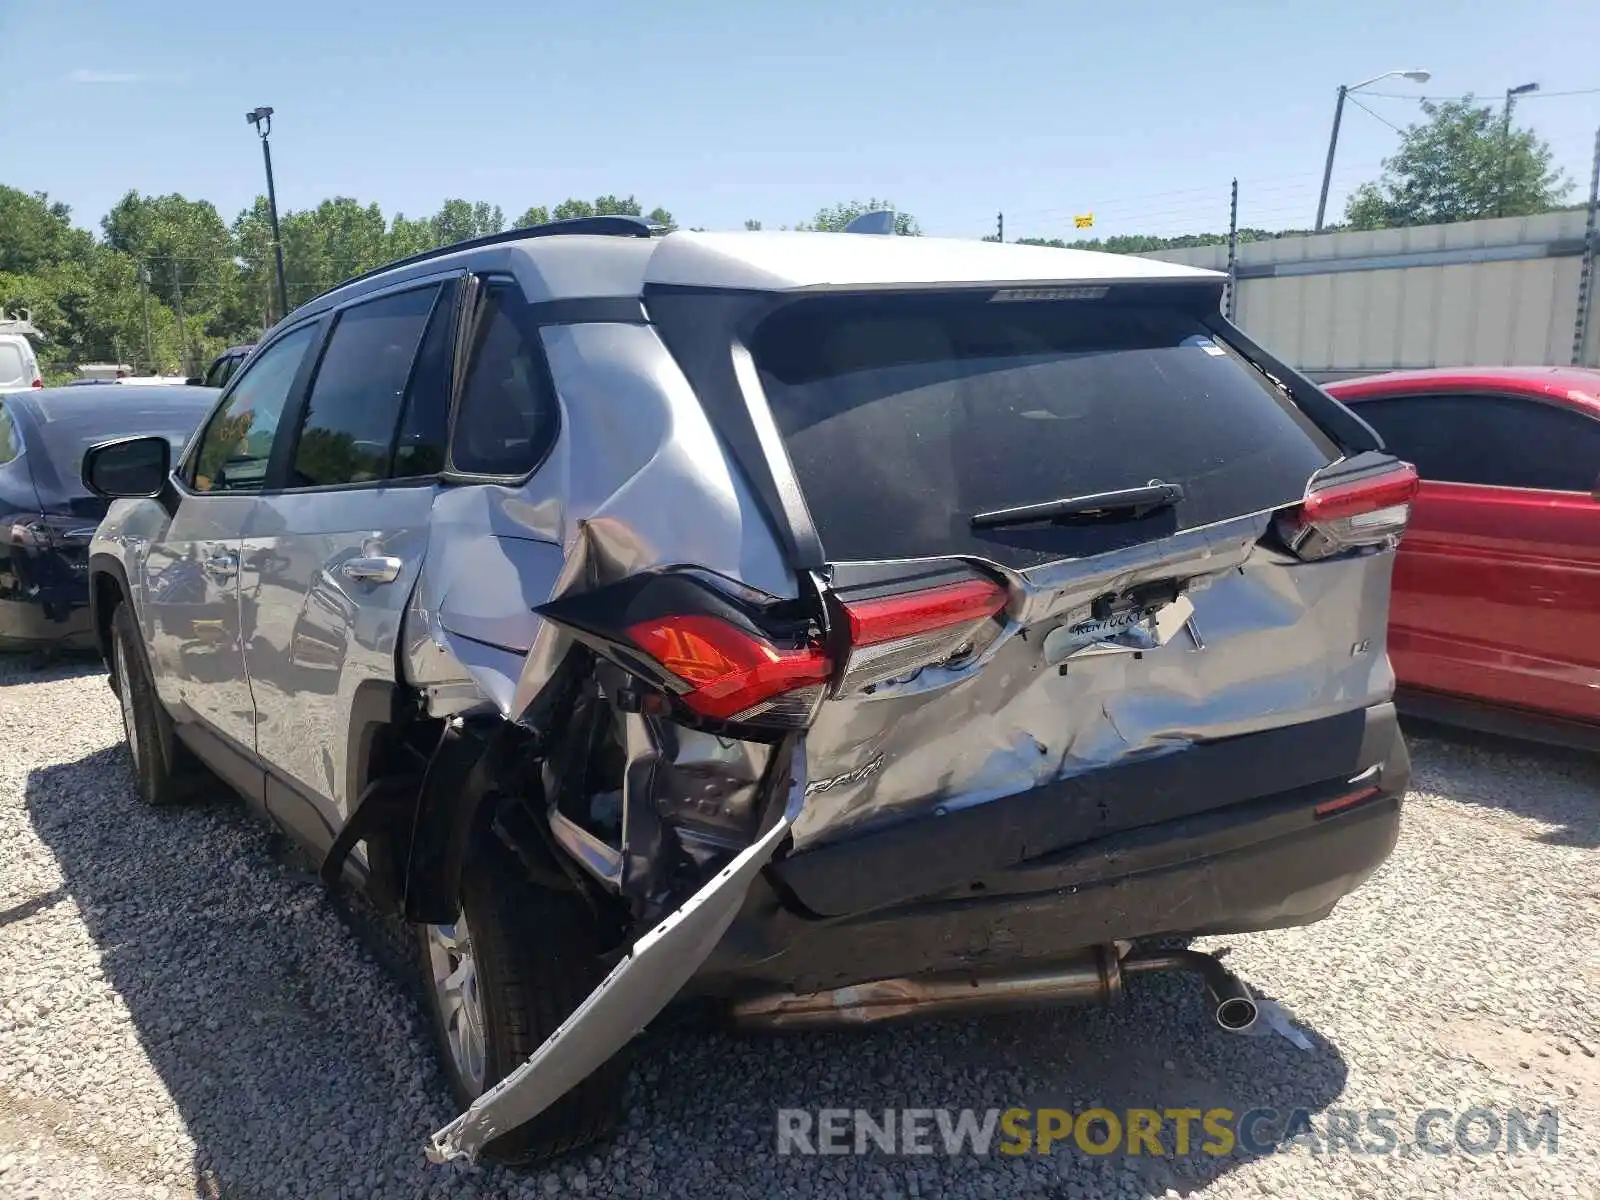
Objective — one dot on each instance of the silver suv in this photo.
(833, 626)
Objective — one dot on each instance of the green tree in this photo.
(570, 208)
(1460, 164)
(836, 217)
(459, 221)
(408, 237)
(34, 233)
(752, 224)
(182, 242)
(603, 206)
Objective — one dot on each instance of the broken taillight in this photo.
(894, 635)
(734, 675)
(1348, 514)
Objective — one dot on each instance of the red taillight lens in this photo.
(38, 383)
(1348, 515)
(1338, 805)
(732, 675)
(891, 636)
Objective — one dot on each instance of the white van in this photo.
(19, 368)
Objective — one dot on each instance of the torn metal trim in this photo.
(638, 988)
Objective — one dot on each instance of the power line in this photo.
(1374, 115)
(1476, 95)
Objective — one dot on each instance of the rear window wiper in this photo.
(1122, 504)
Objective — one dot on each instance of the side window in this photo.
(419, 444)
(347, 432)
(1496, 441)
(238, 439)
(10, 443)
(506, 420)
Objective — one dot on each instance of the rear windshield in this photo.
(904, 416)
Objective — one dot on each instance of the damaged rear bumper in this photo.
(1277, 856)
(1269, 864)
(1269, 860)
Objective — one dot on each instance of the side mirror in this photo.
(194, 381)
(132, 468)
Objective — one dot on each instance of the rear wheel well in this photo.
(443, 790)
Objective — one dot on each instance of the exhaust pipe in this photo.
(1233, 1007)
(1093, 978)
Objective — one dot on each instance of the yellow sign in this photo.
(1084, 222)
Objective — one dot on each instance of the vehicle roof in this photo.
(589, 265)
(1579, 386)
(795, 261)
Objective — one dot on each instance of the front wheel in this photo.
(500, 980)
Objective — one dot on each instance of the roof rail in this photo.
(610, 225)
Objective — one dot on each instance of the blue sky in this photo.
(1140, 114)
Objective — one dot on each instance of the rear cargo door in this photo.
(995, 651)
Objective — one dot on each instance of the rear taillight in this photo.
(891, 636)
(1371, 510)
(37, 382)
(731, 659)
(733, 675)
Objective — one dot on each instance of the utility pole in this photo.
(144, 296)
(1580, 325)
(1327, 170)
(1000, 227)
(261, 118)
(1505, 144)
(1233, 252)
(183, 336)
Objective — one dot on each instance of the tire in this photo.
(163, 768)
(537, 958)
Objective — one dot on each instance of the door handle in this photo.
(381, 569)
(222, 566)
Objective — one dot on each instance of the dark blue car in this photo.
(47, 516)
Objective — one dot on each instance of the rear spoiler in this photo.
(1353, 435)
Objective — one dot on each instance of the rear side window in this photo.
(506, 420)
(905, 416)
(348, 429)
(222, 371)
(1495, 441)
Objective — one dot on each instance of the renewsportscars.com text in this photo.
(1164, 1131)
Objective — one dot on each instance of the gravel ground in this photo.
(185, 1012)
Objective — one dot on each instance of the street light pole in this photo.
(1505, 143)
(1333, 142)
(1338, 114)
(261, 118)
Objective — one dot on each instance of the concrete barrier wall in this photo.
(1478, 293)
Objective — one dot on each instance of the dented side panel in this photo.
(635, 453)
